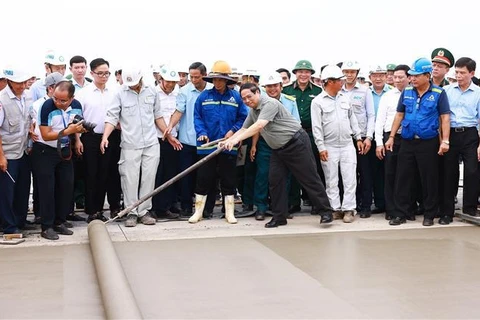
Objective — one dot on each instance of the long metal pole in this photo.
(166, 184)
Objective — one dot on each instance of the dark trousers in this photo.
(114, 186)
(206, 174)
(246, 175)
(56, 184)
(167, 169)
(391, 159)
(14, 196)
(378, 177)
(187, 157)
(465, 144)
(96, 172)
(421, 154)
(364, 180)
(297, 157)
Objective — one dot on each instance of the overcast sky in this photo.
(262, 35)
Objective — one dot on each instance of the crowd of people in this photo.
(343, 142)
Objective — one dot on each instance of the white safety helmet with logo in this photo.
(169, 74)
(54, 58)
(271, 78)
(332, 72)
(378, 69)
(350, 65)
(131, 77)
(15, 74)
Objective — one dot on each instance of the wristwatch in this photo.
(446, 142)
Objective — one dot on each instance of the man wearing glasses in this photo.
(53, 168)
(95, 99)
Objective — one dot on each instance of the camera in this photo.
(89, 126)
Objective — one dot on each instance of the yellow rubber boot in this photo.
(199, 206)
(230, 209)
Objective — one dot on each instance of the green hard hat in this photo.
(303, 65)
(391, 66)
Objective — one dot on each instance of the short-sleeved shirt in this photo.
(281, 124)
(56, 118)
(443, 105)
(304, 100)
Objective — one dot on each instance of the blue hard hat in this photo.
(421, 66)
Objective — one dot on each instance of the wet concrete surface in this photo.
(424, 273)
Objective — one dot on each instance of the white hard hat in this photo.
(15, 74)
(168, 74)
(378, 69)
(316, 75)
(332, 72)
(350, 65)
(251, 72)
(183, 68)
(54, 58)
(271, 78)
(131, 77)
(451, 74)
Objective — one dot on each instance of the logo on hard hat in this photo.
(172, 73)
(304, 63)
(61, 59)
(129, 79)
(349, 63)
(270, 78)
(8, 72)
(440, 53)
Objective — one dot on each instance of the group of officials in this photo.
(340, 144)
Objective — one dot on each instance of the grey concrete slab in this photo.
(49, 283)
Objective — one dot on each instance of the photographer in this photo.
(52, 162)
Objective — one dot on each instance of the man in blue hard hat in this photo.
(419, 109)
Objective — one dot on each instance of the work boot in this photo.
(200, 201)
(131, 220)
(148, 220)
(349, 216)
(230, 209)
(337, 215)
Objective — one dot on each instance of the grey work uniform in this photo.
(140, 149)
(291, 151)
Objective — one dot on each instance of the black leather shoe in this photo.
(314, 211)
(397, 221)
(185, 213)
(68, 224)
(114, 213)
(326, 218)
(247, 208)
(167, 215)
(365, 214)
(275, 223)
(445, 220)
(427, 222)
(411, 217)
(293, 209)
(378, 210)
(307, 203)
(96, 216)
(61, 229)
(74, 217)
(49, 234)
(259, 215)
(174, 209)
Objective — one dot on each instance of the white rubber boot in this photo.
(199, 206)
(230, 209)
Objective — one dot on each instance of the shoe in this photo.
(411, 217)
(68, 224)
(275, 223)
(378, 210)
(174, 209)
(200, 201)
(427, 222)
(75, 217)
(131, 221)
(397, 221)
(28, 227)
(326, 218)
(80, 206)
(348, 216)
(96, 216)
(365, 214)
(473, 214)
(247, 208)
(445, 220)
(259, 215)
(61, 229)
(49, 234)
(230, 209)
(337, 215)
(114, 213)
(185, 213)
(388, 217)
(307, 203)
(293, 209)
(148, 220)
(314, 211)
(167, 215)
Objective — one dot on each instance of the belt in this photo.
(292, 140)
(416, 137)
(462, 129)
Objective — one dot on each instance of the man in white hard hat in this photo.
(261, 152)
(164, 203)
(54, 62)
(136, 107)
(334, 123)
(14, 167)
(183, 75)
